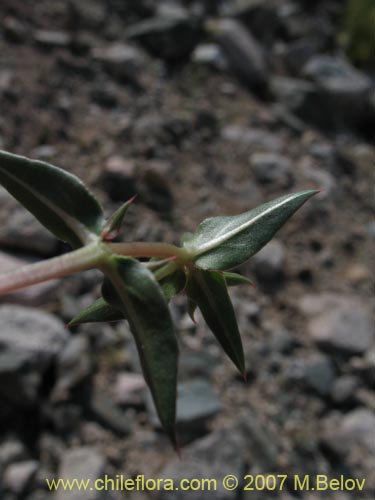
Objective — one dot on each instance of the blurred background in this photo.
(203, 108)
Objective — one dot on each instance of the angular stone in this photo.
(319, 373)
(272, 169)
(243, 53)
(21, 231)
(74, 366)
(344, 389)
(15, 31)
(337, 322)
(51, 39)
(268, 264)
(123, 62)
(128, 389)
(343, 90)
(215, 456)
(209, 54)
(11, 450)
(298, 97)
(30, 340)
(104, 410)
(196, 404)
(167, 36)
(119, 178)
(84, 463)
(34, 332)
(355, 430)
(18, 476)
(256, 139)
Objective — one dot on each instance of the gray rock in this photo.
(256, 139)
(298, 97)
(243, 53)
(196, 363)
(209, 54)
(19, 476)
(20, 379)
(104, 410)
(33, 296)
(319, 373)
(21, 231)
(352, 433)
(33, 332)
(172, 36)
(343, 90)
(268, 264)
(338, 323)
(154, 187)
(213, 457)
(299, 52)
(358, 426)
(256, 14)
(83, 463)
(30, 340)
(197, 403)
(119, 178)
(51, 39)
(320, 177)
(344, 389)
(123, 62)
(14, 30)
(74, 366)
(272, 169)
(261, 441)
(11, 450)
(87, 14)
(128, 389)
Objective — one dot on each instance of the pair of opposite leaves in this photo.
(63, 204)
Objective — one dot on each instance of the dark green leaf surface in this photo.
(134, 289)
(100, 311)
(58, 199)
(209, 291)
(234, 279)
(225, 242)
(173, 284)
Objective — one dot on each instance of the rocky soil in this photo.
(202, 108)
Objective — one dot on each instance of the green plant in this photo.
(357, 36)
(140, 291)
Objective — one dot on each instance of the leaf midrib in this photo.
(211, 300)
(83, 234)
(227, 236)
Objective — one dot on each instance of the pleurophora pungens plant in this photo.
(135, 291)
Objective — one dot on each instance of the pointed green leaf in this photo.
(133, 288)
(225, 242)
(173, 284)
(58, 199)
(208, 290)
(234, 279)
(98, 312)
(113, 226)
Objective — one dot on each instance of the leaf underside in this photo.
(208, 290)
(58, 199)
(133, 288)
